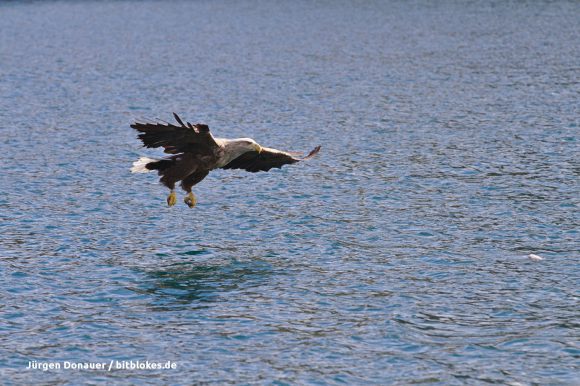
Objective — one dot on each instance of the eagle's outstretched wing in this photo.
(265, 160)
(175, 139)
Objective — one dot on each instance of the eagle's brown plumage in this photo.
(267, 159)
(195, 152)
(176, 139)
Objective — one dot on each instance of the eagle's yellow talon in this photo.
(171, 199)
(190, 200)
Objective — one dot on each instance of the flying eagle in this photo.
(195, 152)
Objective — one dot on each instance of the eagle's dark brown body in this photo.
(189, 168)
(195, 152)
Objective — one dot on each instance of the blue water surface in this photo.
(397, 256)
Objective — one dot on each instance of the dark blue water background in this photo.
(398, 256)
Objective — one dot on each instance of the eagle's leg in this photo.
(170, 183)
(172, 198)
(190, 200)
(188, 182)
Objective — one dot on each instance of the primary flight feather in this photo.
(195, 152)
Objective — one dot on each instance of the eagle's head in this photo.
(248, 144)
(233, 148)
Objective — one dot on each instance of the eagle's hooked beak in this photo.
(258, 148)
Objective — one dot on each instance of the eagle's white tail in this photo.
(140, 166)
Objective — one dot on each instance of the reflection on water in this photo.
(398, 255)
(187, 285)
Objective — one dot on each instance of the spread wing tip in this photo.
(312, 153)
(142, 122)
(178, 119)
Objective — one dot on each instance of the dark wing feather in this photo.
(253, 161)
(175, 139)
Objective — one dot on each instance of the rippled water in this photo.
(398, 256)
